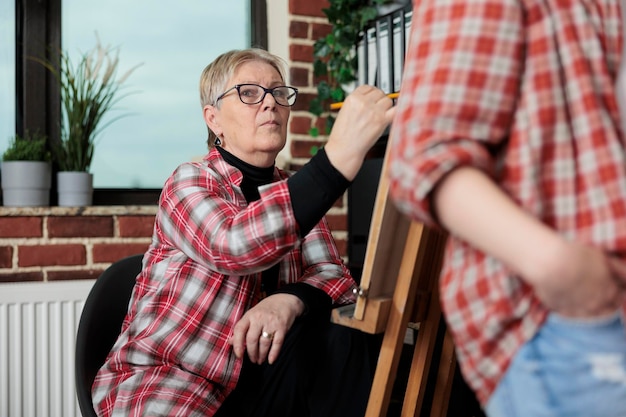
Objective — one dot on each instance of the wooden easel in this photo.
(398, 287)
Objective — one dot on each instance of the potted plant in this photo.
(335, 60)
(26, 172)
(89, 88)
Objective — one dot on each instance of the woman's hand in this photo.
(589, 283)
(261, 331)
(365, 114)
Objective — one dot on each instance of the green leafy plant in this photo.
(334, 57)
(89, 89)
(28, 148)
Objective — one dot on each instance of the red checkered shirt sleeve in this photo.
(218, 229)
(321, 266)
(459, 90)
(234, 241)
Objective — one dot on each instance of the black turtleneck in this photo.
(313, 189)
(303, 189)
(253, 177)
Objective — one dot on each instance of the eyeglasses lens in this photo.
(252, 94)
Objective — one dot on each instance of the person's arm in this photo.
(568, 277)
(198, 216)
(315, 300)
(360, 123)
(314, 189)
(324, 281)
(365, 114)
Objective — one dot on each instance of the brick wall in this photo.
(307, 24)
(58, 243)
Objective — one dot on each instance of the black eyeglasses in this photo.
(254, 94)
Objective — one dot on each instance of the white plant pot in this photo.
(26, 183)
(75, 189)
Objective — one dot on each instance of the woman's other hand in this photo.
(365, 114)
(590, 283)
(261, 331)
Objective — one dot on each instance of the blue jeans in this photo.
(571, 368)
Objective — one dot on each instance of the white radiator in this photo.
(38, 323)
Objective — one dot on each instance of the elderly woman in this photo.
(230, 313)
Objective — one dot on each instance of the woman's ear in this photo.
(211, 119)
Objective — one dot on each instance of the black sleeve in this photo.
(314, 189)
(316, 302)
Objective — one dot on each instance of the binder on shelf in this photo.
(372, 59)
(361, 60)
(381, 49)
(398, 50)
(384, 55)
(407, 29)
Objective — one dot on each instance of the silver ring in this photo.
(267, 335)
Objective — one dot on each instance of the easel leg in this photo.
(401, 310)
(445, 376)
(422, 357)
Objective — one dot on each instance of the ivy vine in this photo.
(334, 55)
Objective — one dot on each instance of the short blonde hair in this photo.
(215, 75)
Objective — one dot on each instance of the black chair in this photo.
(100, 324)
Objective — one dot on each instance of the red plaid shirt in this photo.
(524, 90)
(201, 274)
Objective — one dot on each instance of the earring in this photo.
(217, 142)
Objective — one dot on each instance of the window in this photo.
(162, 122)
(7, 72)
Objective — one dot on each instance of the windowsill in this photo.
(131, 210)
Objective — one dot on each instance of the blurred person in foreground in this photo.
(230, 315)
(508, 135)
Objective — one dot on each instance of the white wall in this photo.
(278, 44)
(278, 27)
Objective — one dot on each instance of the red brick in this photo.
(21, 227)
(136, 226)
(320, 123)
(80, 226)
(21, 276)
(299, 77)
(338, 203)
(337, 222)
(6, 256)
(301, 53)
(319, 78)
(300, 125)
(302, 104)
(342, 247)
(298, 30)
(294, 166)
(303, 149)
(308, 7)
(74, 274)
(319, 30)
(47, 255)
(111, 252)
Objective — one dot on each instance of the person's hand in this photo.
(365, 114)
(262, 329)
(591, 285)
